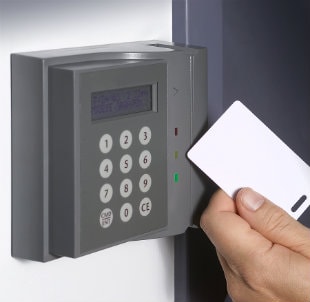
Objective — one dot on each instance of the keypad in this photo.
(127, 162)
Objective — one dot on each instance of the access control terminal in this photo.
(99, 142)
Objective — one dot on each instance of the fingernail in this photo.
(251, 199)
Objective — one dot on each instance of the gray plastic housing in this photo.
(55, 157)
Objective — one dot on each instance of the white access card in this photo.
(240, 151)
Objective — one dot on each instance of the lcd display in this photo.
(118, 102)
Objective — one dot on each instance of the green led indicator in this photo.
(176, 177)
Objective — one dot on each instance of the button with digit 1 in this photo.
(106, 143)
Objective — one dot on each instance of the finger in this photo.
(273, 222)
(231, 234)
(222, 202)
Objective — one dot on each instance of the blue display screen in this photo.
(118, 102)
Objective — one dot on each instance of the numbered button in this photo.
(145, 206)
(106, 143)
(125, 163)
(145, 183)
(125, 139)
(106, 218)
(145, 135)
(106, 168)
(125, 188)
(126, 212)
(106, 193)
(145, 159)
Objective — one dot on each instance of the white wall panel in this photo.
(136, 271)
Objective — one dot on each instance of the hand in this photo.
(265, 254)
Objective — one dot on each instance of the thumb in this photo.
(273, 222)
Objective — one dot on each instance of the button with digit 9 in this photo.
(145, 183)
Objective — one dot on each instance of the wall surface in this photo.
(258, 52)
(135, 271)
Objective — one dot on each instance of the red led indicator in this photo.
(176, 131)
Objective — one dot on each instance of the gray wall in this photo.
(267, 64)
(259, 53)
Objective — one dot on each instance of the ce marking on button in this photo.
(145, 206)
